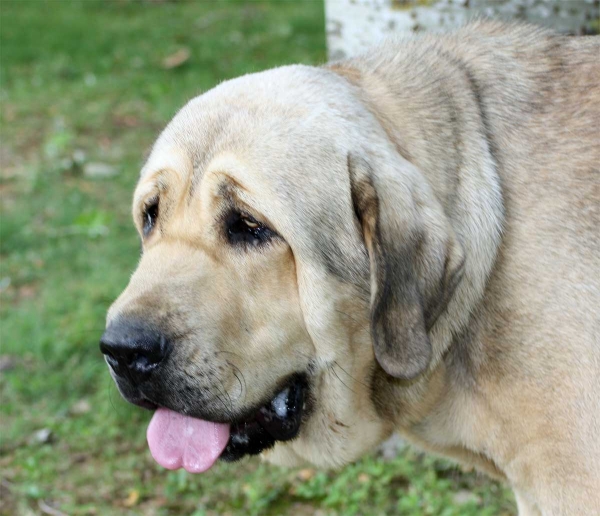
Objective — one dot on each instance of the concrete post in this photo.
(353, 25)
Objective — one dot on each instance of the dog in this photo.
(404, 241)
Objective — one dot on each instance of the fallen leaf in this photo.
(132, 498)
(79, 458)
(81, 407)
(27, 292)
(306, 474)
(49, 509)
(126, 121)
(42, 436)
(7, 362)
(363, 478)
(463, 497)
(176, 59)
(100, 170)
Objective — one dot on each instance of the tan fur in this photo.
(460, 171)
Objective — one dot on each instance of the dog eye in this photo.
(150, 216)
(245, 229)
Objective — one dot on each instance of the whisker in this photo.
(350, 376)
(222, 390)
(110, 391)
(227, 410)
(347, 315)
(243, 388)
(332, 369)
(229, 353)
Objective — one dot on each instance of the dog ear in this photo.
(415, 261)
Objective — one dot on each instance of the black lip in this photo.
(138, 399)
(144, 403)
(278, 420)
(258, 428)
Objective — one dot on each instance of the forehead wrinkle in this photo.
(203, 148)
(203, 129)
(197, 174)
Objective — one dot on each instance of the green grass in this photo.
(84, 82)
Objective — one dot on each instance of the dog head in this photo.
(289, 254)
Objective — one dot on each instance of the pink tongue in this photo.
(177, 441)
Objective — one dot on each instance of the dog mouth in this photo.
(180, 441)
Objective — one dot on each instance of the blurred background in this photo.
(85, 87)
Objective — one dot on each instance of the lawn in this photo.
(85, 88)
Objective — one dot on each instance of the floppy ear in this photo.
(415, 261)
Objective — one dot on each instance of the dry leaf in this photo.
(132, 499)
(42, 436)
(176, 59)
(7, 362)
(306, 474)
(81, 407)
(99, 170)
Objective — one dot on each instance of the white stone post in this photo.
(353, 25)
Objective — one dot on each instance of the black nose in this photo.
(133, 348)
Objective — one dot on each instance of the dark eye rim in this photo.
(243, 229)
(150, 216)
